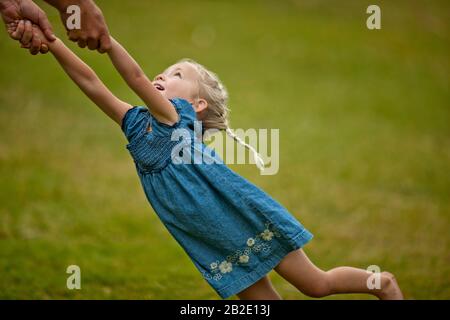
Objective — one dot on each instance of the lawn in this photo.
(364, 145)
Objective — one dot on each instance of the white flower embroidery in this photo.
(267, 235)
(244, 258)
(225, 267)
(260, 242)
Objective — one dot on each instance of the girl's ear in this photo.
(200, 105)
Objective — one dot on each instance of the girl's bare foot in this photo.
(389, 287)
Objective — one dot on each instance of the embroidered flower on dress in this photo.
(244, 258)
(267, 235)
(225, 267)
(259, 243)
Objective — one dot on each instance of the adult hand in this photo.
(94, 32)
(13, 10)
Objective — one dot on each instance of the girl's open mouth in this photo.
(159, 86)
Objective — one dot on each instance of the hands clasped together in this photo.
(35, 32)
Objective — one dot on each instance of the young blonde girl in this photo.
(234, 232)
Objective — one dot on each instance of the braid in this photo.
(259, 161)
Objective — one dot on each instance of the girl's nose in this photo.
(160, 77)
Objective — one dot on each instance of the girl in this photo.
(233, 231)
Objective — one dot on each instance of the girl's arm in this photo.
(160, 107)
(89, 82)
(78, 71)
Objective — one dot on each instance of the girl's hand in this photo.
(26, 32)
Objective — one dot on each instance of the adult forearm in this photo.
(61, 5)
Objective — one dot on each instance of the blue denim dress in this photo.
(232, 230)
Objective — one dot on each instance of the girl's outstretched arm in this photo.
(81, 74)
(89, 82)
(160, 107)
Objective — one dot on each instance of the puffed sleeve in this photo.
(186, 118)
(135, 122)
(186, 112)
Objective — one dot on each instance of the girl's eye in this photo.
(177, 74)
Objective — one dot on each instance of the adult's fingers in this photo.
(92, 43)
(35, 49)
(35, 45)
(11, 28)
(73, 35)
(81, 43)
(105, 43)
(18, 33)
(44, 48)
(28, 33)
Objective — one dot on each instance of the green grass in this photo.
(364, 129)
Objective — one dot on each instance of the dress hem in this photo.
(246, 281)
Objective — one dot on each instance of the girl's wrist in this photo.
(52, 45)
(113, 43)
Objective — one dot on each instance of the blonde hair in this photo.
(217, 114)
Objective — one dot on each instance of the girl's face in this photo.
(178, 81)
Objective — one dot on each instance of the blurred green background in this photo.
(364, 141)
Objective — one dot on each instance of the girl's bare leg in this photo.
(314, 282)
(260, 290)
